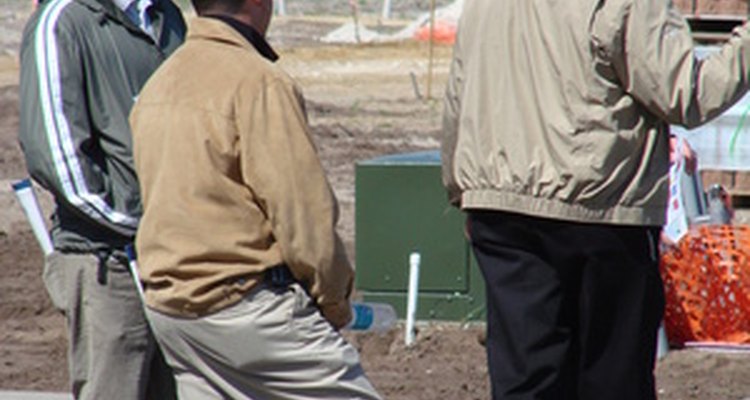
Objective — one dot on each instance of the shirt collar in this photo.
(252, 36)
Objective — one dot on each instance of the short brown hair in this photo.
(227, 6)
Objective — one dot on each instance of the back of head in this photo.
(255, 13)
(230, 7)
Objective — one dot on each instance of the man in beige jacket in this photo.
(557, 144)
(246, 280)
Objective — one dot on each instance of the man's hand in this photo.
(338, 314)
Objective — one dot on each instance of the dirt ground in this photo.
(362, 103)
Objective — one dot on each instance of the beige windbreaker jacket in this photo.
(560, 109)
(230, 179)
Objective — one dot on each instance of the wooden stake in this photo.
(432, 49)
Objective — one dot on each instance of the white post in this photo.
(25, 193)
(280, 8)
(432, 50)
(386, 9)
(355, 16)
(411, 305)
(662, 344)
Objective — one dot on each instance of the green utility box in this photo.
(402, 207)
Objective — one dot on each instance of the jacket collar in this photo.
(251, 35)
(110, 9)
(107, 6)
(123, 4)
(215, 29)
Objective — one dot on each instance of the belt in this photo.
(279, 276)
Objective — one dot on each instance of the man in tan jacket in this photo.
(246, 281)
(557, 144)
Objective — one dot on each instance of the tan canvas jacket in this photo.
(561, 109)
(230, 179)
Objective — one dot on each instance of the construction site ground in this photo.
(362, 103)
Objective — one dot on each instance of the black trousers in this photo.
(573, 309)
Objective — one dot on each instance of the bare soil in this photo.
(361, 104)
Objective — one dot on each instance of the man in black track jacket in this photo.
(83, 63)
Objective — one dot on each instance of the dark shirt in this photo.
(252, 36)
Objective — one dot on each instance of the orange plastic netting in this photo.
(707, 285)
(444, 33)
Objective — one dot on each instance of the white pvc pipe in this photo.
(280, 8)
(411, 305)
(25, 194)
(386, 9)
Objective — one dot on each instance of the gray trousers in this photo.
(274, 344)
(112, 353)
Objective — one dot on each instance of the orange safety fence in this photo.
(444, 33)
(707, 286)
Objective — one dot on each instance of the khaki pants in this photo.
(112, 353)
(274, 344)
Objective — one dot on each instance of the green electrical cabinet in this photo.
(401, 207)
